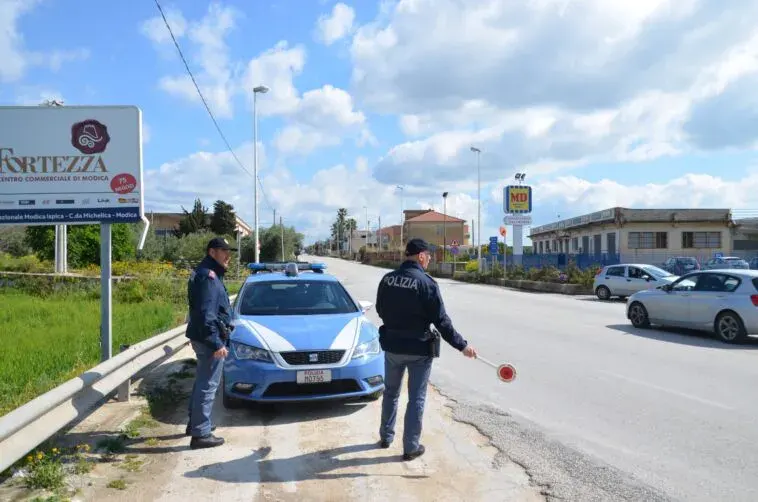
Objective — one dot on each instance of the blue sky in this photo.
(638, 104)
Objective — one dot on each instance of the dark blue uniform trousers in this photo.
(207, 378)
(419, 369)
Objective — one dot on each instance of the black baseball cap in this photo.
(219, 243)
(416, 246)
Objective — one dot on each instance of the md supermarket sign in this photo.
(517, 199)
(72, 164)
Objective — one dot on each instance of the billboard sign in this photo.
(517, 199)
(518, 219)
(71, 164)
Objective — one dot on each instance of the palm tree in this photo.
(341, 217)
(351, 226)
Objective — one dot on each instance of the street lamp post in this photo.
(444, 225)
(263, 90)
(479, 209)
(401, 188)
(366, 208)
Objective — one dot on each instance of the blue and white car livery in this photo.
(299, 335)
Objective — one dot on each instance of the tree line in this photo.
(342, 230)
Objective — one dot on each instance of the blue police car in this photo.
(300, 336)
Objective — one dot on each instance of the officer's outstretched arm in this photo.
(441, 320)
(209, 301)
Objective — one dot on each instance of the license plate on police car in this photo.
(314, 376)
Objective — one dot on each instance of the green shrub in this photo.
(472, 266)
(26, 264)
(516, 272)
(544, 274)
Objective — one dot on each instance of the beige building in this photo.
(166, 223)
(434, 227)
(640, 235)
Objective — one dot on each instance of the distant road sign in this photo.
(518, 219)
(503, 231)
(455, 242)
(493, 245)
(455, 250)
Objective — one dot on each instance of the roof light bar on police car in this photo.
(283, 266)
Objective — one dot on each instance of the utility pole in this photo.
(282, 225)
(402, 213)
(379, 235)
(444, 226)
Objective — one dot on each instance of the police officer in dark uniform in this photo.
(208, 328)
(409, 302)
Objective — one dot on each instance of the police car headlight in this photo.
(370, 348)
(242, 351)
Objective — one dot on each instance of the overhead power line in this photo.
(207, 107)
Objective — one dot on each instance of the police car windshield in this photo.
(300, 297)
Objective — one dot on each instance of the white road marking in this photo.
(669, 391)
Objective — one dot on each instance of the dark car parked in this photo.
(680, 265)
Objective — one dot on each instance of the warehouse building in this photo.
(640, 235)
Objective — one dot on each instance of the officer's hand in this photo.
(221, 353)
(469, 351)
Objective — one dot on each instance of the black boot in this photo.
(415, 454)
(187, 430)
(209, 441)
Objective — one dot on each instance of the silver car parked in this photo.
(724, 302)
(627, 278)
(727, 262)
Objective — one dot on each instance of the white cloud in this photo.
(319, 118)
(207, 175)
(15, 58)
(309, 205)
(275, 68)
(336, 26)
(322, 117)
(216, 77)
(155, 28)
(547, 85)
(691, 190)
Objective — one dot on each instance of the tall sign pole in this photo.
(517, 206)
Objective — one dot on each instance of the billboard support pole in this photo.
(106, 299)
(64, 249)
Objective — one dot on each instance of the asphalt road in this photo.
(599, 410)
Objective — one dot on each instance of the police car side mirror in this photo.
(365, 306)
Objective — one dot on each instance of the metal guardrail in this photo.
(29, 425)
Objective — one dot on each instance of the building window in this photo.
(648, 240)
(575, 244)
(693, 240)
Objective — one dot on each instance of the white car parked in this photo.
(724, 302)
(627, 278)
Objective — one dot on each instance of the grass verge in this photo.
(52, 334)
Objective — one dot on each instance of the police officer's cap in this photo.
(219, 243)
(416, 246)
